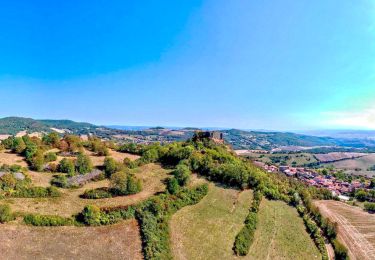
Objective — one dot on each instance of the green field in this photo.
(207, 230)
(281, 234)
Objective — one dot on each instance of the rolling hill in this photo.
(238, 139)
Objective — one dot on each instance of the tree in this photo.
(67, 166)
(50, 157)
(123, 183)
(19, 145)
(360, 195)
(37, 161)
(52, 139)
(172, 185)
(111, 166)
(83, 164)
(182, 174)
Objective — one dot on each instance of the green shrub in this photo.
(59, 181)
(83, 164)
(99, 193)
(5, 214)
(92, 215)
(369, 206)
(67, 166)
(341, 253)
(37, 192)
(182, 174)
(123, 183)
(47, 220)
(172, 185)
(50, 157)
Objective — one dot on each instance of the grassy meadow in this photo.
(207, 230)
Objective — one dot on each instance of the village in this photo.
(311, 177)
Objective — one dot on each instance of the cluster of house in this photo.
(310, 177)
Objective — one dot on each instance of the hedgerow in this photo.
(245, 237)
(36, 192)
(154, 216)
(47, 220)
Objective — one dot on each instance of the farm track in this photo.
(355, 234)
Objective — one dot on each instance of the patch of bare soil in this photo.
(6, 157)
(356, 228)
(120, 241)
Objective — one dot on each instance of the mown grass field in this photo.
(281, 234)
(207, 230)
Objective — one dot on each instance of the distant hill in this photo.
(238, 139)
(14, 125)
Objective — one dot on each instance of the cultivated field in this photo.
(358, 165)
(70, 202)
(337, 156)
(119, 241)
(356, 227)
(207, 230)
(281, 234)
(298, 159)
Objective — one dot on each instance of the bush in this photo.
(47, 220)
(83, 164)
(369, 206)
(111, 166)
(50, 157)
(67, 166)
(5, 214)
(99, 193)
(182, 174)
(36, 192)
(341, 253)
(123, 183)
(172, 185)
(60, 181)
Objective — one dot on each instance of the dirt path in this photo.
(353, 230)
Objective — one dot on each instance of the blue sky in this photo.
(282, 65)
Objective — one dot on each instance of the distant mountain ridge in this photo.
(238, 139)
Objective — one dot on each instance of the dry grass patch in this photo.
(120, 241)
(207, 229)
(356, 227)
(70, 203)
(6, 157)
(99, 160)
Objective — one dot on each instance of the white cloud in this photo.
(350, 119)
